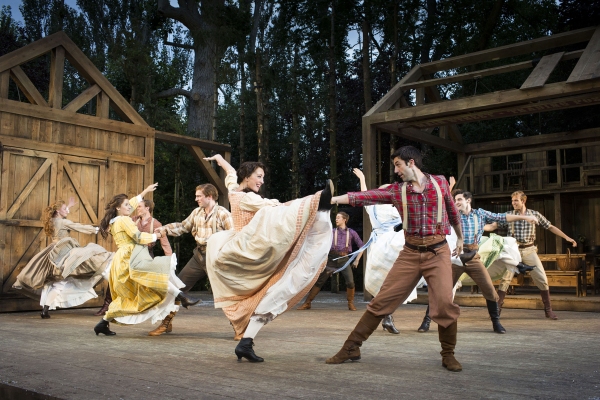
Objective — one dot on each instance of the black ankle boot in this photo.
(102, 327)
(326, 194)
(524, 267)
(186, 301)
(494, 312)
(387, 323)
(426, 322)
(244, 349)
(44, 314)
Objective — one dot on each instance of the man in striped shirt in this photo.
(427, 211)
(473, 222)
(524, 233)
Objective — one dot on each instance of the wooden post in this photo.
(4, 81)
(558, 168)
(558, 222)
(223, 198)
(57, 70)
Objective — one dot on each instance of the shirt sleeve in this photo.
(543, 221)
(179, 228)
(356, 239)
(133, 232)
(225, 219)
(489, 217)
(253, 202)
(164, 241)
(505, 223)
(451, 210)
(370, 197)
(74, 226)
(231, 181)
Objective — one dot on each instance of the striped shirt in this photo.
(345, 238)
(422, 207)
(467, 223)
(524, 231)
(201, 225)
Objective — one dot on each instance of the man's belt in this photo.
(523, 246)
(423, 248)
(337, 254)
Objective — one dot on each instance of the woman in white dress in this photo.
(273, 256)
(63, 274)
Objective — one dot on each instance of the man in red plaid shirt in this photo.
(427, 209)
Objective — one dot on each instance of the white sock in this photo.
(253, 328)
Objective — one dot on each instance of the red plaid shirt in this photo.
(422, 207)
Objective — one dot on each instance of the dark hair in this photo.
(465, 194)
(344, 215)
(150, 204)
(110, 211)
(209, 190)
(247, 169)
(406, 153)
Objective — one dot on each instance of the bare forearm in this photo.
(340, 199)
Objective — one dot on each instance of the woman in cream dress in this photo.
(272, 257)
(63, 274)
(142, 287)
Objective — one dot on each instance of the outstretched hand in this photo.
(359, 174)
(71, 202)
(452, 182)
(533, 220)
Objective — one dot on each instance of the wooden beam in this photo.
(31, 51)
(28, 188)
(418, 135)
(70, 150)
(57, 72)
(462, 173)
(80, 192)
(89, 71)
(542, 71)
(102, 105)
(588, 66)
(558, 222)
(224, 200)
(27, 87)
(208, 170)
(53, 114)
(84, 98)
(395, 93)
(4, 83)
(454, 131)
(369, 159)
(511, 50)
(491, 101)
(524, 143)
(190, 141)
(581, 100)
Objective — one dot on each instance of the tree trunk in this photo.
(295, 130)
(332, 102)
(201, 103)
(366, 65)
(241, 57)
(262, 129)
(393, 81)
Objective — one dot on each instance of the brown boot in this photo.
(107, 301)
(547, 305)
(448, 342)
(311, 296)
(164, 325)
(501, 296)
(350, 298)
(351, 348)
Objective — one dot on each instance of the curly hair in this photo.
(49, 213)
(110, 211)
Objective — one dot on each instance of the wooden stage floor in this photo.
(536, 359)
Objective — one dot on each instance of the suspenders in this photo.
(439, 204)
(347, 238)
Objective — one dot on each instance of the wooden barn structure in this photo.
(49, 151)
(560, 172)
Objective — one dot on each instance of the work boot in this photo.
(326, 194)
(311, 296)
(244, 349)
(103, 327)
(164, 325)
(44, 314)
(524, 267)
(107, 301)
(501, 296)
(426, 322)
(494, 312)
(448, 342)
(547, 305)
(350, 298)
(351, 348)
(388, 324)
(185, 300)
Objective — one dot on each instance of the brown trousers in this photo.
(405, 274)
(477, 271)
(194, 270)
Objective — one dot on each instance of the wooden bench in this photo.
(555, 278)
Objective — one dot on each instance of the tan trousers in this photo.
(538, 274)
(405, 274)
(477, 271)
(194, 270)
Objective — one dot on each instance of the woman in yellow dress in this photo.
(142, 288)
(273, 256)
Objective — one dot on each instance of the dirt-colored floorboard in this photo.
(537, 358)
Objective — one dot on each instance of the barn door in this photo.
(30, 181)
